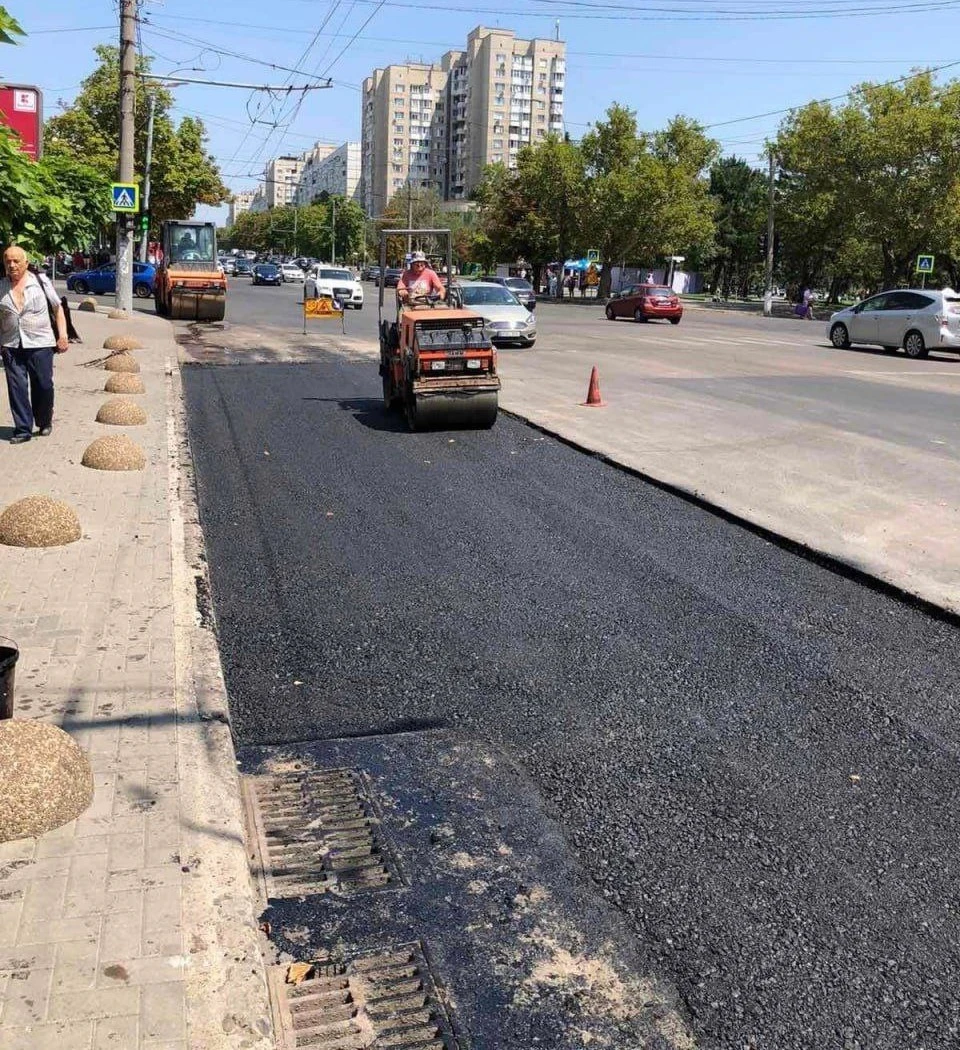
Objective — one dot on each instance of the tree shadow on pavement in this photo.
(370, 412)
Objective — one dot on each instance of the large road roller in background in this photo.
(190, 286)
(437, 362)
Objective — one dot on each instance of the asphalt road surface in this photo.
(754, 759)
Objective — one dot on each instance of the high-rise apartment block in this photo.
(282, 177)
(239, 203)
(438, 125)
(332, 171)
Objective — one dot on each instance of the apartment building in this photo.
(438, 125)
(329, 170)
(239, 203)
(282, 175)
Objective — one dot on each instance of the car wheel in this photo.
(638, 315)
(81, 287)
(914, 346)
(141, 290)
(840, 337)
(611, 316)
(674, 320)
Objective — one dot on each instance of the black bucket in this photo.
(8, 665)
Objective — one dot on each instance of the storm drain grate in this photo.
(384, 1000)
(318, 831)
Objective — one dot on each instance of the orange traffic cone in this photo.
(593, 391)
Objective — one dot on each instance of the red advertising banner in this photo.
(21, 109)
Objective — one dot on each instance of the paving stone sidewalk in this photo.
(134, 925)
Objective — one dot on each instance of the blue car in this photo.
(103, 280)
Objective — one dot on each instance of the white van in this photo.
(917, 319)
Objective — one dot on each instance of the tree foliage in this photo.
(868, 185)
(303, 231)
(9, 27)
(183, 174)
(632, 196)
(740, 193)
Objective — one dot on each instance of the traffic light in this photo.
(144, 223)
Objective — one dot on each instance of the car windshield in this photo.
(518, 284)
(658, 291)
(488, 295)
(267, 268)
(335, 275)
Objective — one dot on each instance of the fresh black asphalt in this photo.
(754, 758)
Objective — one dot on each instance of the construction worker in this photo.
(419, 280)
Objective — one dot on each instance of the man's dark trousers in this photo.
(29, 383)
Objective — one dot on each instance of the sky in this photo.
(730, 64)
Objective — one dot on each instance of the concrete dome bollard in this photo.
(47, 780)
(124, 383)
(115, 452)
(121, 363)
(88, 306)
(121, 412)
(122, 342)
(39, 521)
(118, 315)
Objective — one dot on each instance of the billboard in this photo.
(21, 109)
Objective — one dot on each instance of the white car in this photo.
(337, 283)
(918, 319)
(291, 272)
(506, 319)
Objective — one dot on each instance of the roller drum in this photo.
(452, 410)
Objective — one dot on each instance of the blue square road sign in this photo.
(125, 196)
(924, 264)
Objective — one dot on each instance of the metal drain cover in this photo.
(318, 831)
(382, 999)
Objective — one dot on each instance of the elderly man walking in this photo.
(28, 343)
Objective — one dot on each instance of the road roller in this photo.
(190, 285)
(437, 362)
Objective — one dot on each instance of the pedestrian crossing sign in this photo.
(126, 196)
(924, 264)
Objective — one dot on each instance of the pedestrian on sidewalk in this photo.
(29, 310)
(808, 300)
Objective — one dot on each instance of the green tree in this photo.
(9, 27)
(869, 184)
(183, 174)
(740, 193)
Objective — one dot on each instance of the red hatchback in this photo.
(644, 302)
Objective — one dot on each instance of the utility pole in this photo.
(409, 216)
(333, 232)
(768, 286)
(128, 95)
(296, 213)
(148, 160)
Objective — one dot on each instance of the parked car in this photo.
(391, 277)
(103, 280)
(267, 273)
(242, 268)
(506, 319)
(646, 302)
(335, 282)
(229, 265)
(520, 287)
(291, 272)
(918, 319)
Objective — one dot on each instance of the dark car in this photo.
(267, 273)
(371, 273)
(243, 268)
(103, 280)
(646, 302)
(520, 287)
(391, 277)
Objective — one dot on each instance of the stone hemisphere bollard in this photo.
(121, 412)
(118, 315)
(121, 362)
(39, 521)
(47, 780)
(124, 383)
(114, 452)
(88, 306)
(122, 342)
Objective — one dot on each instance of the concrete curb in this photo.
(227, 1001)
